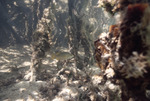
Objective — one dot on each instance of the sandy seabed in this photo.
(54, 84)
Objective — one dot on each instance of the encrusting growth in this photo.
(128, 50)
